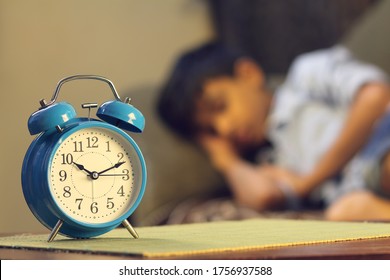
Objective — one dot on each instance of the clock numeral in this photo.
(108, 146)
(63, 175)
(125, 176)
(120, 156)
(67, 158)
(92, 142)
(79, 201)
(94, 208)
(120, 191)
(78, 146)
(66, 193)
(110, 204)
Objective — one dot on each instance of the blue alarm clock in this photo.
(83, 177)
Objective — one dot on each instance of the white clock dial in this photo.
(92, 175)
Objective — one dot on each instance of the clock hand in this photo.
(112, 167)
(82, 168)
(93, 188)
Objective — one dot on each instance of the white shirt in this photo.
(311, 106)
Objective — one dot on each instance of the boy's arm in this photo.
(251, 185)
(369, 105)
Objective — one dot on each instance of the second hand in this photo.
(93, 187)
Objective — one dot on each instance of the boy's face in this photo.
(234, 108)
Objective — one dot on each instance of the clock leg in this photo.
(132, 231)
(55, 230)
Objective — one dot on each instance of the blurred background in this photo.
(134, 43)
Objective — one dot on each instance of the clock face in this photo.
(94, 175)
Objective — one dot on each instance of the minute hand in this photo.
(112, 167)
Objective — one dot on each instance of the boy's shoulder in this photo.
(321, 58)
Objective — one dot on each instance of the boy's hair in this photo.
(176, 104)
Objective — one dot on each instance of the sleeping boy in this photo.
(328, 124)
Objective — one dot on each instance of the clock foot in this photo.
(132, 231)
(55, 230)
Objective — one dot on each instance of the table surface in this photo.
(360, 249)
(246, 239)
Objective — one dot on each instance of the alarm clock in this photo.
(81, 176)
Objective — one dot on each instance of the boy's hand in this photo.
(221, 151)
(291, 179)
(251, 185)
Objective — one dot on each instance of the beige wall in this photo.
(132, 42)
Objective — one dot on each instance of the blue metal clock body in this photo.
(82, 177)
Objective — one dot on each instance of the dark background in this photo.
(276, 31)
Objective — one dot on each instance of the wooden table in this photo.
(355, 250)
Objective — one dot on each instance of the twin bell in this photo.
(115, 112)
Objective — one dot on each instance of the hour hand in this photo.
(82, 168)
